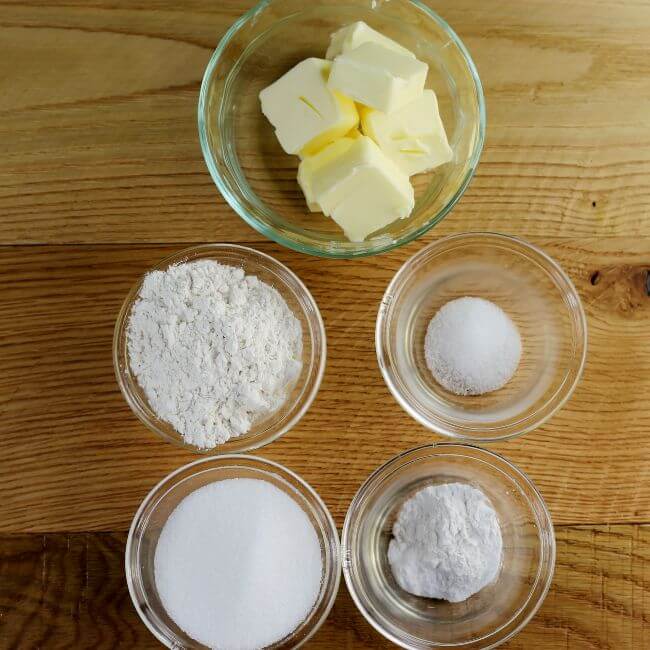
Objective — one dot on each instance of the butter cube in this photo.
(310, 165)
(412, 136)
(351, 36)
(359, 187)
(304, 111)
(378, 76)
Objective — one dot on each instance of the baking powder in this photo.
(447, 543)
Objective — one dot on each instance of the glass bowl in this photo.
(152, 514)
(314, 349)
(254, 174)
(530, 287)
(489, 617)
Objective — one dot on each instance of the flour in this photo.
(212, 349)
(447, 543)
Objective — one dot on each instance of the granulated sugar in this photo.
(472, 347)
(212, 349)
(447, 543)
(238, 564)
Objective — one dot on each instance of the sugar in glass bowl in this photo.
(314, 348)
(258, 179)
(492, 615)
(158, 505)
(535, 293)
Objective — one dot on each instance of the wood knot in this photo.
(624, 287)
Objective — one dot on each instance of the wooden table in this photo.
(101, 175)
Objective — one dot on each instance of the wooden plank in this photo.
(105, 150)
(98, 108)
(67, 591)
(74, 458)
(62, 590)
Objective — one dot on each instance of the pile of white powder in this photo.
(446, 543)
(212, 349)
(472, 347)
(238, 564)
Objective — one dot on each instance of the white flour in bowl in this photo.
(212, 349)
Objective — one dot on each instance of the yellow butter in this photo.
(310, 165)
(356, 184)
(378, 76)
(355, 134)
(352, 36)
(413, 136)
(305, 112)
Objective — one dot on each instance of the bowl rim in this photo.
(333, 538)
(401, 459)
(197, 252)
(310, 249)
(514, 430)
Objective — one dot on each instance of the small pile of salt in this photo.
(238, 564)
(472, 347)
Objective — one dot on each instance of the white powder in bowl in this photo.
(238, 564)
(472, 347)
(212, 349)
(447, 543)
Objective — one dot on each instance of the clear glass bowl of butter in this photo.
(255, 175)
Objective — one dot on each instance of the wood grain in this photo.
(68, 590)
(102, 175)
(79, 460)
(98, 108)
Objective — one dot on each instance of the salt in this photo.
(472, 347)
(238, 564)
